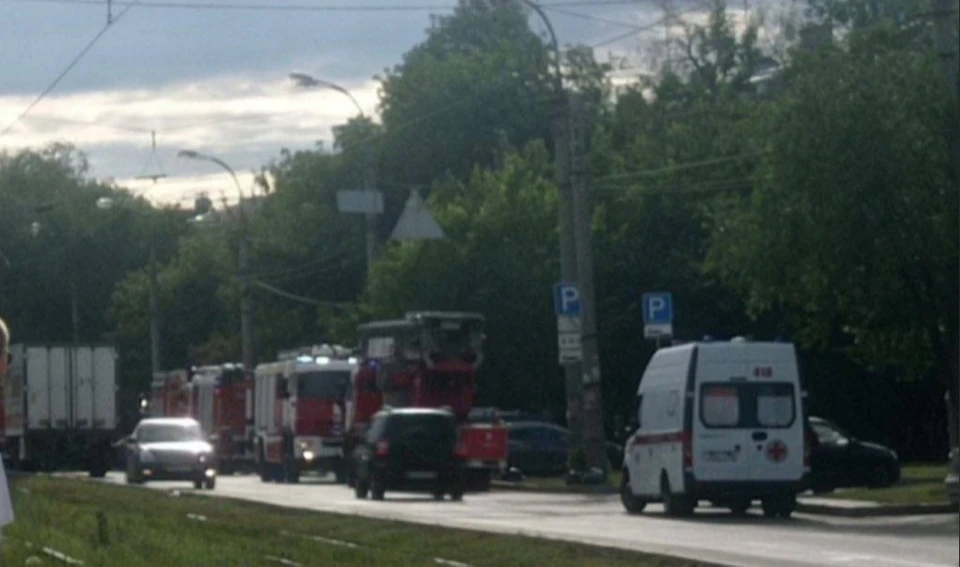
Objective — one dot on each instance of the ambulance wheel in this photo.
(674, 504)
(787, 505)
(631, 502)
(739, 507)
(782, 506)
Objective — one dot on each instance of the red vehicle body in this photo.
(299, 412)
(221, 400)
(427, 359)
(170, 394)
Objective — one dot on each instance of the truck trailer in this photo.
(60, 407)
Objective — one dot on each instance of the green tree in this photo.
(500, 259)
(481, 74)
(852, 225)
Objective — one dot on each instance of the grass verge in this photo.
(920, 484)
(118, 526)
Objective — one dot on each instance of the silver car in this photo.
(165, 448)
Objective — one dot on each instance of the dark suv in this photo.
(411, 450)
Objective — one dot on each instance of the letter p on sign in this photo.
(657, 308)
(566, 299)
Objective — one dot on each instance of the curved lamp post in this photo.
(244, 261)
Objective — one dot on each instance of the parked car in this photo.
(540, 448)
(953, 478)
(840, 460)
(165, 448)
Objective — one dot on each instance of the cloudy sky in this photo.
(211, 75)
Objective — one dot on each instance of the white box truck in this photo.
(60, 407)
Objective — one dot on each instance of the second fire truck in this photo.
(299, 412)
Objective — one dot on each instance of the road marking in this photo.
(56, 554)
(450, 563)
(281, 560)
(321, 539)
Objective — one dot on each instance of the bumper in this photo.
(480, 464)
(720, 490)
(161, 471)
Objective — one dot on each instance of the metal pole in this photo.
(155, 361)
(568, 250)
(945, 24)
(75, 310)
(246, 302)
(370, 219)
(592, 399)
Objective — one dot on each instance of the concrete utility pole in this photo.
(245, 266)
(945, 16)
(568, 249)
(591, 396)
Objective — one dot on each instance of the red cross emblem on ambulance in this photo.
(777, 451)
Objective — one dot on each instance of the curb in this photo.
(877, 511)
(803, 508)
(590, 490)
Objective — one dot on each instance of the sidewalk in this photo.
(863, 509)
(805, 504)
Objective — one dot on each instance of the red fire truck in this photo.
(299, 412)
(170, 394)
(426, 359)
(221, 399)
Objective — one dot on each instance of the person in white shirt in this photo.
(6, 507)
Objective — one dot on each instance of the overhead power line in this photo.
(73, 63)
(300, 298)
(271, 7)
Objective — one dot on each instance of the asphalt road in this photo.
(712, 535)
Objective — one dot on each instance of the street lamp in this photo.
(197, 156)
(307, 81)
(374, 202)
(244, 261)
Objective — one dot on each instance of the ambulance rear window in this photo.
(720, 405)
(748, 405)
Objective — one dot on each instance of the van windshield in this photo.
(747, 405)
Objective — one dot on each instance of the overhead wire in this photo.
(73, 63)
(271, 7)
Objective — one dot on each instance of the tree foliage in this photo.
(824, 212)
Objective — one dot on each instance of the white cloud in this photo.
(243, 120)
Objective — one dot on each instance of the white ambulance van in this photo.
(721, 422)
